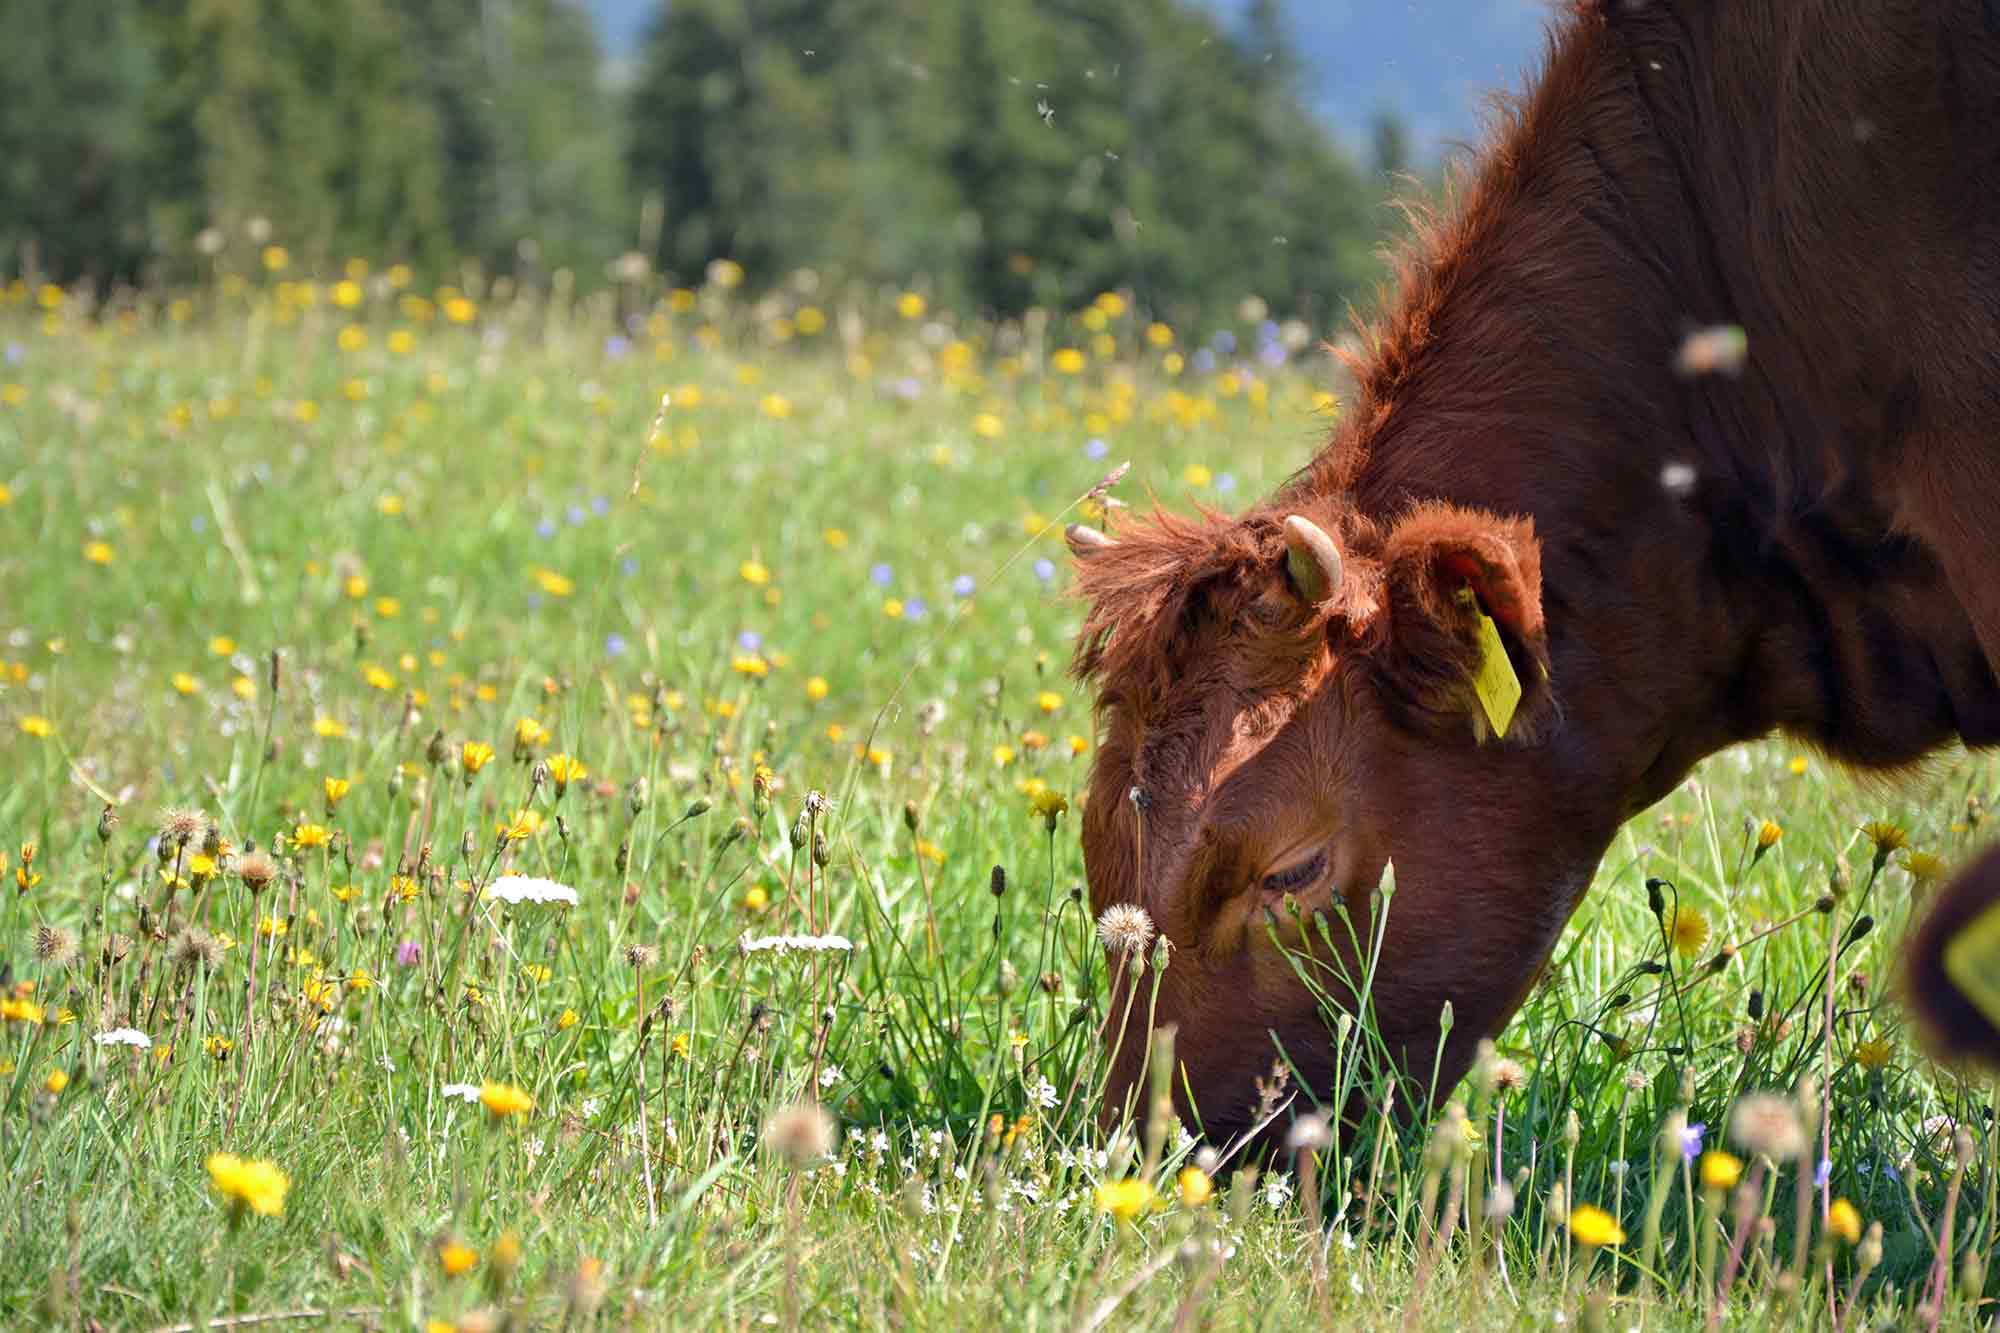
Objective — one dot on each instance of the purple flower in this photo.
(199, 523)
(1044, 570)
(1268, 331)
(576, 516)
(614, 645)
(15, 353)
(1691, 1142)
(408, 953)
(599, 505)
(1226, 482)
(1095, 448)
(906, 388)
(962, 586)
(881, 574)
(1271, 354)
(616, 347)
(1204, 361)
(1824, 1171)
(749, 641)
(546, 528)
(628, 566)
(914, 609)
(1225, 342)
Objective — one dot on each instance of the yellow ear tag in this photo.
(1972, 961)
(1498, 688)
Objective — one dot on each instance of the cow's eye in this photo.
(1292, 877)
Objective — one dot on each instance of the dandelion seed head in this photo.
(1125, 928)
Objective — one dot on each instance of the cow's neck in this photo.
(1704, 579)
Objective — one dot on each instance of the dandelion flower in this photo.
(504, 1099)
(257, 1185)
(1050, 804)
(1594, 1227)
(1720, 1170)
(474, 755)
(1768, 1123)
(17, 1009)
(1193, 1186)
(1924, 868)
(1843, 1219)
(56, 1082)
(39, 727)
(311, 835)
(1689, 931)
(1125, 928)
(755, 573)
(1127, 1199)
(1874, 1053)
(1768, 834)
(457, 1258)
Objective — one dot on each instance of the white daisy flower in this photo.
(124, 1037)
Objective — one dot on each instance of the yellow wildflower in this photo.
(58, 1080)
(1689, 931)
(311, 835)
(457, 1258)
(38, 726)
(98, 553)
(254, 1184)
(336, 790)
(504, 1099)
(1592, 1226)
(474, 755)
(1843, 1219)
(1720, 1170)
(1126, 1199)
(1193, 1186)
(1874, 1053)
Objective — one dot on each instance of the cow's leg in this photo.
(1950, 498)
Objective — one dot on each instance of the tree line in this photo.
(1006, 152)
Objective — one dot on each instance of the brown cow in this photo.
(1675, 561)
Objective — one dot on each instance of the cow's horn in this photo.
(1084, 539)
(1312, 559)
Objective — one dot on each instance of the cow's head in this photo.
(1287, 705)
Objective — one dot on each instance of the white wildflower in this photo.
(530, 889)
(465, 1092)
(800, 943)
(124, 1037)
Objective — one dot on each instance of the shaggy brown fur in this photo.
(1674, 563)
(1952, 1024)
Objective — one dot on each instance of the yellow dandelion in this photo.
(1078, 744)
(98, 553)
(328, 728)
(1874, 1053)
(38, 726)
(1067, 361)
(1048, 701)
(183, 683)
(911, 305)
(1720, 1170)
(756, 898)
(475, 755)
(1924, 868)
(1593, 1227)
(1126, 1200)
(1197, 474)
(681, 1044)
(1798, 765)
(311, 835)
(552, 583)
(1768, 834)
(336, 790)
(55, 1082)
(817, 688)
(504, 1099)
(1689, 931)
(457, 1258)
(257, 1185)
(566, 1020)
(755, 573)
(1843, 1219)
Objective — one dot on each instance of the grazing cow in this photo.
(1556, 476)
(1952, 966)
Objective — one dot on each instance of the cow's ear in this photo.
(1464, 633)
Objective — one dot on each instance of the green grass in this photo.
(495, 521)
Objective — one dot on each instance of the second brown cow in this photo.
(1674, 552)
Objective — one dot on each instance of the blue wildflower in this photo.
(881, 575)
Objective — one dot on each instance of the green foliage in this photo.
(1020, 154)
(1009, 155)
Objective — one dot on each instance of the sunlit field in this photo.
(525, 810)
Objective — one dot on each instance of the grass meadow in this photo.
(330, 608)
